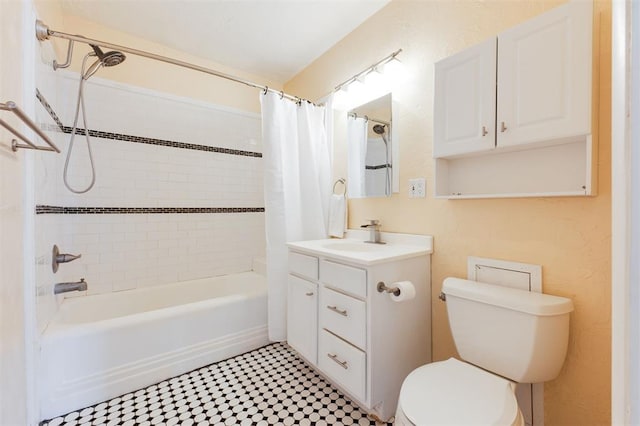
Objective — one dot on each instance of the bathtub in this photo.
(99, 347)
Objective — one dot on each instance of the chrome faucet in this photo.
(66, 287)
(374, 231)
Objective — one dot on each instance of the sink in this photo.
(354, 246)
(398, 246)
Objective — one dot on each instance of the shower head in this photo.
(379, 129)
(109, 59)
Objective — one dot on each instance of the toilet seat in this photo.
(456, 393)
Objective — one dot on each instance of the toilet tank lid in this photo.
(506, 297)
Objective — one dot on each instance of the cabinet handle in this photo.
(338, 311)
(485, 132)
(335, 359)
(503, 127)
(309, 293)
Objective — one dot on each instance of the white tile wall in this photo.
(126, 251)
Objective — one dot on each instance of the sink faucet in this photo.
(374, 231)
(66, 287)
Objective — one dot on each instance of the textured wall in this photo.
(569, 237)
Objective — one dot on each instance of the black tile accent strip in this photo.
(50, 110)
(141, 139)
(381, 166)
(44, 209)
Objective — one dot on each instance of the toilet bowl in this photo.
(505, 336)
(461, 394)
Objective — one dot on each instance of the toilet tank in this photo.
(517, 334)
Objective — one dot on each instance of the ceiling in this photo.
(274, 39)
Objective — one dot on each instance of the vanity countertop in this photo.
(353, 249)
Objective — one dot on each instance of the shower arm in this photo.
(44, 33)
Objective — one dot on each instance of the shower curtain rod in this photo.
(44, 33)
(367, 118)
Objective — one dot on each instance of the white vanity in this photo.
(359, 338)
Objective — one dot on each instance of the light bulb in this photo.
(394, 69)
(377, 84)
(340, 99)
(357, 91)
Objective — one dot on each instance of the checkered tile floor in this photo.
(267, 386)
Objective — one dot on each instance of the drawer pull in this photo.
(335, 359)
(309, 293)
(336, 310)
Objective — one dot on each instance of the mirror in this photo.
(370, 159)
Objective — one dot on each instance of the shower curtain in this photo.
(356, 155)
(297, 189)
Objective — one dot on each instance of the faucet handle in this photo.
(58, 258)
(373, 223)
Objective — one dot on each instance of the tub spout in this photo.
(66, 287)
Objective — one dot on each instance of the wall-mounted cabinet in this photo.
(513, 114)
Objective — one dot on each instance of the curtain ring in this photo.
(265, 90)
(282, 94)
(298, 101)
(366, 117)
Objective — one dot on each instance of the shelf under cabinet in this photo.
(555, 170)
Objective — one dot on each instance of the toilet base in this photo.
(402, 420)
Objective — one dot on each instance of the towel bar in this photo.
(11, 106)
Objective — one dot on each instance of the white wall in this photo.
(131, 250)
(16, 290)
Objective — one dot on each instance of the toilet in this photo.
(504, 336)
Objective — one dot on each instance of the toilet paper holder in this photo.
(383, 288)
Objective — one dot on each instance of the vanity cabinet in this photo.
(528, 89)
(302, 306)
(357, 337)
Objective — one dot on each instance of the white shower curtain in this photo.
(297, 189)
(356, 155)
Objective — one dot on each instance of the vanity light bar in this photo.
(369, 69)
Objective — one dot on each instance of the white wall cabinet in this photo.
(529, 89)
(465, 101)
(363, 342)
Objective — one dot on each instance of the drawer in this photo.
(344, 316)
(346, 278)
(303, 265)
(344, 363)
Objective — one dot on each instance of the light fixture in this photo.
(370, 83)
(394, 69)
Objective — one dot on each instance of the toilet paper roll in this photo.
(407, 291)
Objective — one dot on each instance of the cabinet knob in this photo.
(309, 293)
(485, 132)
(503, 127)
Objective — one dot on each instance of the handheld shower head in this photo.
(379, 129)
(109, 59)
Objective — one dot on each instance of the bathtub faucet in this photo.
(66, 287)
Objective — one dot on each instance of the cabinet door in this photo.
(544, 77)
(302, 317)
(465, 101)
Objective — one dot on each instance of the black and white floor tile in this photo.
(267, 386)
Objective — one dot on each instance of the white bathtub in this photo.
(99, 347)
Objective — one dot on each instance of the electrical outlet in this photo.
(417, 188)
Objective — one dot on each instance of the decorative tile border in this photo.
(141, 139)
(50, 110)
(380, 166)
(43, 209)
